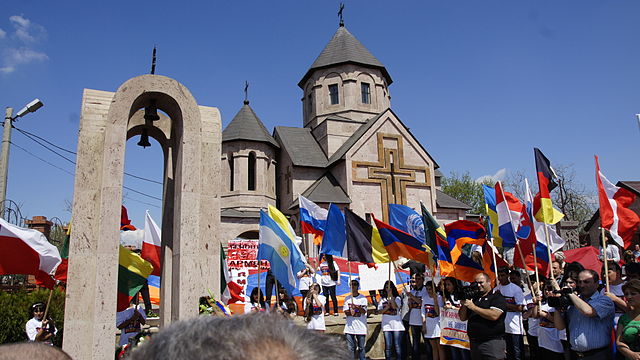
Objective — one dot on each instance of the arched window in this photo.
(231, 171)
(251, 171)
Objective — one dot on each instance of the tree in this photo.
(467, 190)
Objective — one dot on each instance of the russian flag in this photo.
(509, 209)
(313, 219)
(152, 244)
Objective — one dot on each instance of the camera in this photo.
(562, 301)
(470, 292)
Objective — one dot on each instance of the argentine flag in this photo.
(276, 247)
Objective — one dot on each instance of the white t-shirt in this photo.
(325, 277)
(513, 320)
(613, 253)
(356, 325)
(391, 322)
(617, 291)
(33, 326)
(415, 308)
(533, 322)
(317, 320)
(132, 329)
(431, 318)
(548, 335)
(305, 283)
(250, 306)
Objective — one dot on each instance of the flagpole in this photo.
(546, 236)
(535, 262)
(259, 290)
(525, 266)
(277, 293)
(604, 251)
(46, 310)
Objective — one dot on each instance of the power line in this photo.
(33, 138)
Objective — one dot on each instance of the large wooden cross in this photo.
(391, 173)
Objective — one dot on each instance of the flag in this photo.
(125, 223)
(508, 208)
(133, 272)
(231, 290)
(456, 263)
(615, 214)
(543, 208)
(528, 239)
(28, 252)
(490, 205)
(63, 268)
(276, 246)
(401, 244)
(432, 230)
(152, 244)
(364, 243)
(313, 219)
(406, 219)
(277, 216)
(487, 262)
(335, 234)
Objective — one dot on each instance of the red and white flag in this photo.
(27, 252)
(615, 214)
(152, 244)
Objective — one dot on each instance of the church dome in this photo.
(247, 126)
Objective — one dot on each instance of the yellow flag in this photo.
(282, 221)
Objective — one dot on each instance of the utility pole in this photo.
(4, 156)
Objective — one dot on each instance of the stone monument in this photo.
(190, 137)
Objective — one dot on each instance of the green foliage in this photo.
(14, 313)
(466, 189)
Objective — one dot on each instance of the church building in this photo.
(351, 150)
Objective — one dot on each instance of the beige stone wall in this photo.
(231, 228)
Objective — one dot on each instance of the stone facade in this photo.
(352, 150)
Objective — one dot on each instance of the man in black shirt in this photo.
(485, 317)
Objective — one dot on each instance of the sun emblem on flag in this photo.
(284, 251)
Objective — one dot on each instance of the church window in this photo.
(310, 103)
(231, 171)
(333, 94)
(366, 93)
(251, 171)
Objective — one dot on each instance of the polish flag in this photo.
(27, 251)
(151, 244)
(615, 214)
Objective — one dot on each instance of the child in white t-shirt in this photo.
(314, 309)
(355, 328)
(390, 306)
(430, 312)
(40, 330)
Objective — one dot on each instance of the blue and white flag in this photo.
(408, 220)
(277, 247)
(335, 233)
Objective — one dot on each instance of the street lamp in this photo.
(6, 140)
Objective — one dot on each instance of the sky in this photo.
(479, 83)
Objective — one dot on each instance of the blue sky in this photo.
(480, 83)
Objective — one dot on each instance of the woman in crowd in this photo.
(392, 327)
(531, 322)
(451, 292)
(40, 330)
(306, 277)
(314, 309)
(615, 293)
(287, 304)
(256, 302)
(431, 304)
(329, 279)
(628, 330)
(550, 345)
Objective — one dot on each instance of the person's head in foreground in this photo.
(256, 336)
(31, 350)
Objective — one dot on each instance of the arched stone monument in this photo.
(190, 138)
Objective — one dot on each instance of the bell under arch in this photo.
(190, 138)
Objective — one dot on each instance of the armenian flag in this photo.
(400, 244)
(452, 261)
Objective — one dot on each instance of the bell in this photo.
(151, 112)
(144, 139)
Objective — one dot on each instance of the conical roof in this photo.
(344, 48)
(247, 126)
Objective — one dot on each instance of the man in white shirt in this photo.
(130, 323)
(355, 328)
(513, 326)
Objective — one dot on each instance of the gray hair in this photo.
(252, 336)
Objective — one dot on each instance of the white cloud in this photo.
(498, 176)
(21, 48)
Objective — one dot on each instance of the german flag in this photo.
(364, 243)
(542, 206)
(400, 244)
